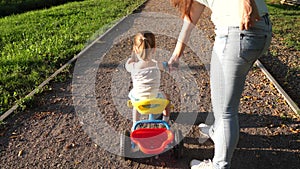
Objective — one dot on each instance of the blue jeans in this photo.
(233, 55)
(134, 99)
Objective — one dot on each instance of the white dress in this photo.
(146, 83)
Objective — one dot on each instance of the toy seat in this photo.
(149, 106)
(152, 140)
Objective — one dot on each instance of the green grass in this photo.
(8, 7)
(286, 23)
(35, 44)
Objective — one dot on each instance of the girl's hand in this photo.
(249, 14)
(133, 57)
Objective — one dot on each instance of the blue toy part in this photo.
(165, 65)
(150, 121)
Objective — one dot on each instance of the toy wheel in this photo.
(178, 144)
(125, 145)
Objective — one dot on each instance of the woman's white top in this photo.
(146, 82)
(227, 12)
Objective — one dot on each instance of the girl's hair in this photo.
(184, 6)
(145, 42)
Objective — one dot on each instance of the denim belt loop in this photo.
(266, 18)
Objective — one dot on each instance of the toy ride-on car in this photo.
(148, 139)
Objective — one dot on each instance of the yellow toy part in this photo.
(129, 104)
(149, 106)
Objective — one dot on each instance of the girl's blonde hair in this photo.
(144, 43)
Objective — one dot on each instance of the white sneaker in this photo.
(204, 129)
(206, 164)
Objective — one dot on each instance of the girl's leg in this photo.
(167, 109)
(135, 116)
(166, 112)
(135, 113)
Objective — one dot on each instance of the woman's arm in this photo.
(187, 27)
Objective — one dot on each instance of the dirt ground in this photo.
(52, 134)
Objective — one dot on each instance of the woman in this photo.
(243, 33)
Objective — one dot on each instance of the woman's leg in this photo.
(234, 53)
(227, 82)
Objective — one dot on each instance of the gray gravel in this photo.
(55, 133)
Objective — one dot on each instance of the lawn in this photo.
(286, 23)
(35, 44)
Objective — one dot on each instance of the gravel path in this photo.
(55, 133)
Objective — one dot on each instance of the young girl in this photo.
(145, 72)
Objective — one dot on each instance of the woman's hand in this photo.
(189, 22)
(173, 62)
(249, 14)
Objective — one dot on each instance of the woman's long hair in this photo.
(184, 6)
